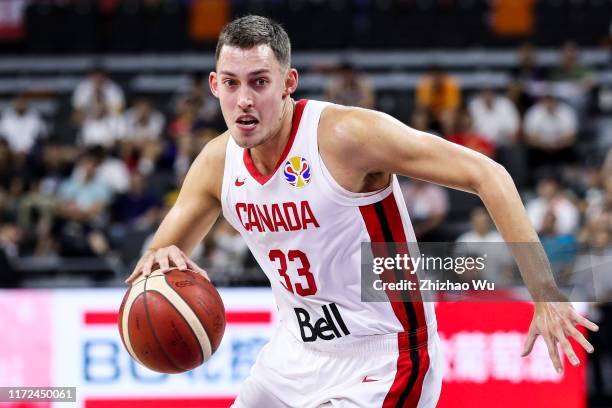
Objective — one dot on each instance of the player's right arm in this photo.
(191, 217)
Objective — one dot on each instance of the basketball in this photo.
(172, 322)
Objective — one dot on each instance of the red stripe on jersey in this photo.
(397, 227)
(412, 362)
(248, 161)
(402, 375)
(399, 395)
(415, 393)
(370, 218)
(407, 385)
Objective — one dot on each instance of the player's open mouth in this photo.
(246, 122)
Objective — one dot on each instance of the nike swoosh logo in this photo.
(366, 379)
(239, 182)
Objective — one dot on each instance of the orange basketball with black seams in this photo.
(172, 322)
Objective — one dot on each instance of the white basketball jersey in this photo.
(305, 231)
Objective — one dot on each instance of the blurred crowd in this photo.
(118, 179)
(540, 127)
(116, 182)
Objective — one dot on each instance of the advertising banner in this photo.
(69, 338)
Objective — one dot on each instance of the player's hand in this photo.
(166, 258)
(554, 321)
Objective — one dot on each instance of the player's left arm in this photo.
(380, 144)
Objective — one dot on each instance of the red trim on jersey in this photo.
(404, 367)
(248, 161)
(397, 228)
(415, 394)
(396, 395)
(370, 218)
(408, 383)
(402, 375)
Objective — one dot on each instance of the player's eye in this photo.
(261, 82)
(229, 82)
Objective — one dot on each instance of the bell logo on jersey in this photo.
(325, 328)
(297, 171)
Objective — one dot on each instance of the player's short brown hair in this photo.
(250, 31)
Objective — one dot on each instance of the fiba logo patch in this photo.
(297, 171)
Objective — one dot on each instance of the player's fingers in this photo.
(177, 257)
(567, 347)
(133, 276)
(572, 331)
(148, 265)
(583, 321)
(138, 269)
(162, 260)
(135, 273)
(529, 341)
(553, 353)
(194, 267)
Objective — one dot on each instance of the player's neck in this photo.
(266, 155)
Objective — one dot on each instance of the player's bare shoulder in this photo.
(344, 132)
(206, 172)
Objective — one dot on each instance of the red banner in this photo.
(482, 344)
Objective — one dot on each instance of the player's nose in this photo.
(245, 99)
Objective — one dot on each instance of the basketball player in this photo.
(305, 182)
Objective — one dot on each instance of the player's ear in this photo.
(214, 84)
(291, 82)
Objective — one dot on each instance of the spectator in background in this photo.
(483, 239)
(495, 117)
(206, 105)
(10, 239)
(12, 180)
(600, 203)
(592, 222)
(102, 127)
(550, 198)
(438, 92)
(226, 251)
(137, 209)
(188, 122)
(420, 120)
(189, 134)
(143, 123)
(54, 166)
(21, 127)
(82, 196)
(94, 90)
(527, 81)
(550, 131)
(427, 205)
(142, 144)
(572, 82)
(36, 207)
(465, 135)
(350, 88)
(110, 171)
(480, 228)
(561, 248)
(82, 211)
